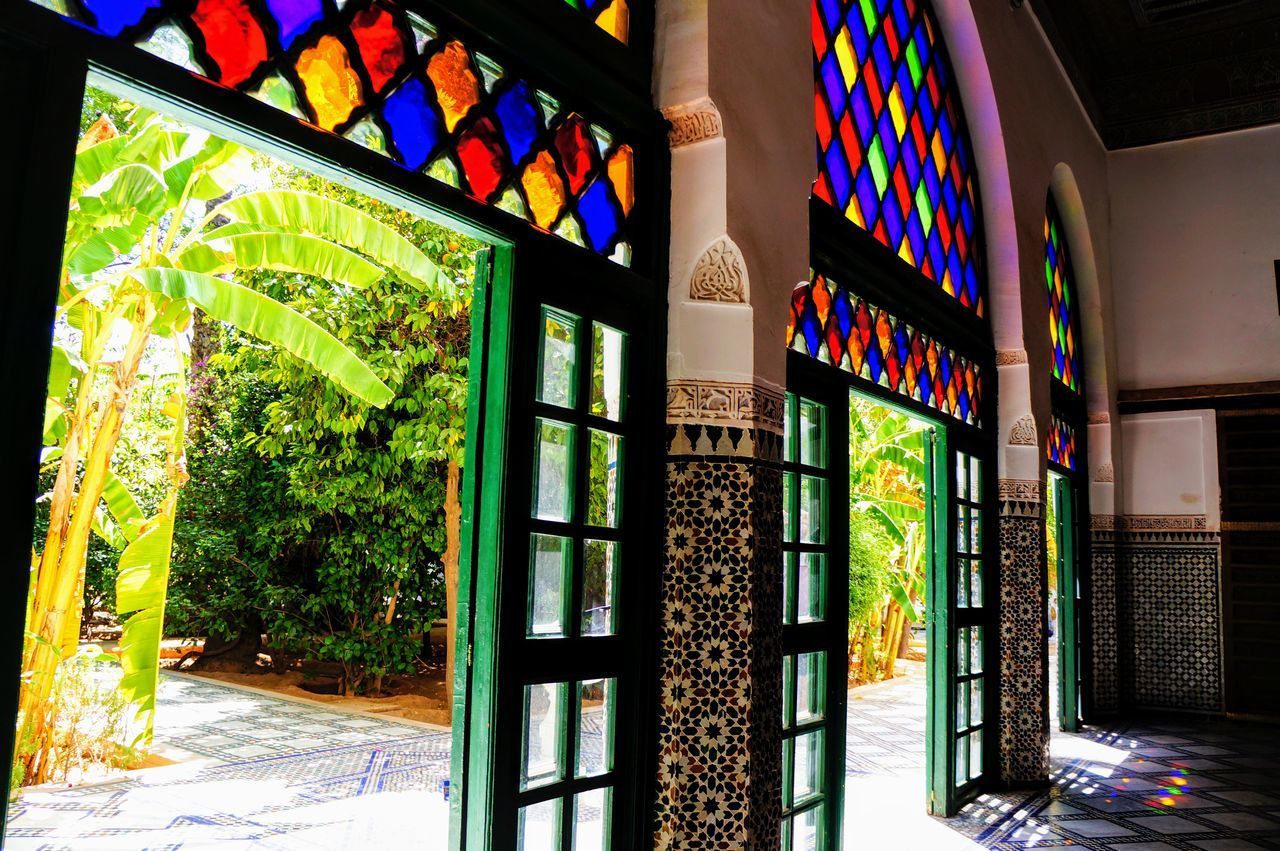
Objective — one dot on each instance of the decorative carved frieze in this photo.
(1023, 432)
(1106, 473)
(724, 403)
(1099, 418)
(1102, 522)
(1010, 357)
(692, 122)
(1019, 489)
(1164, 523)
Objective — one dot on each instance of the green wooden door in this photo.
(559, 699)
(815, 537)
(1069, 604)
(960, 629)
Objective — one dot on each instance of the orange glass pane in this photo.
(544, 189)
(331, 84)
(457, 89)
(622, 176)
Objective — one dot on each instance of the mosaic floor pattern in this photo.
(268, 774)
(1164, 784)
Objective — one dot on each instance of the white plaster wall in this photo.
(1196, 230)
(1171, 465)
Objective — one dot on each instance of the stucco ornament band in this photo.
(719, 274)
(723, 403)
(696, 121)
(1019, 489)
(1099, 418)
(1106, 473)
(1023, 432)
(1011, 357)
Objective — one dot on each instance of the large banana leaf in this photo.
(124, 193)
(140, 588)
(123, 507)
(333, 220)
(269, 320)
(283, 252)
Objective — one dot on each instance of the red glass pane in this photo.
(481, 155)
(381, 44)
(232, 37)
(577, 150)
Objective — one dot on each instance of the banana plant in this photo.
(166, 219)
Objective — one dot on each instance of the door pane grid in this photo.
(806, 553)
(969, 689)
(578, 513)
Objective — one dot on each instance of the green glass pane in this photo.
(962, 651)
(962, 706)
(788, 692)
(557, 359)
(599, 587)
(962, 590)
(808, 769)
(975, 530)
(786, 834)
(591, 820)
(975, 702)
(975, 583)
(813, 448)
(975, 479)
(595, 727)
(542, 761)
(975, 650)
(549, 570)
(789, 451)
(602, 494)
(810, 686)
(788, 771)
(962, 475)
(813, 516)
(607, 390)
(811, 587)
(962, 760)
(962, 528)
(789, 514)
(540, 826)
(790, 570)
(975, 754)
(553, 448)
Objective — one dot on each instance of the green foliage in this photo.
(309, 511)
(870, 555)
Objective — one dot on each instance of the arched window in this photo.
(894, 156)
(1064, 320)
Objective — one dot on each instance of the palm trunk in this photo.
(452, 550)
(61, 572)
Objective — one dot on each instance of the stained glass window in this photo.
(1064, 322)
(893, 153)
(1062, 443)
(612, 16)
(370, 71)
(838, 327)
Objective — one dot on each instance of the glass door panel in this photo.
(1069, 604)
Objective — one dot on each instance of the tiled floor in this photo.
(267, 773)
(1170, 783)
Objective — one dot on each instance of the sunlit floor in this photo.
(253, 771)
(1169, 783)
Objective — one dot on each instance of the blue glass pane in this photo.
(294, 17)
(521, 120)
(415, 129)
(599, 215)
(115, 16)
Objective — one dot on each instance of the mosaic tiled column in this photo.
(1104, 605)
(1024, 696)
(719, 772)
(1170, 614)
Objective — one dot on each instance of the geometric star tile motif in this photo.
(391, 81)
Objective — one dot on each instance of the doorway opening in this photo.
(260, 456)
(890, 545)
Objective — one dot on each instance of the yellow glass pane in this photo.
(331, 84)
(616, 20)
(457, 88)
(622, 176)
(544, 189)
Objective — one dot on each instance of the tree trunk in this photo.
(238, 654)
(56, 612)
(452, 550)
